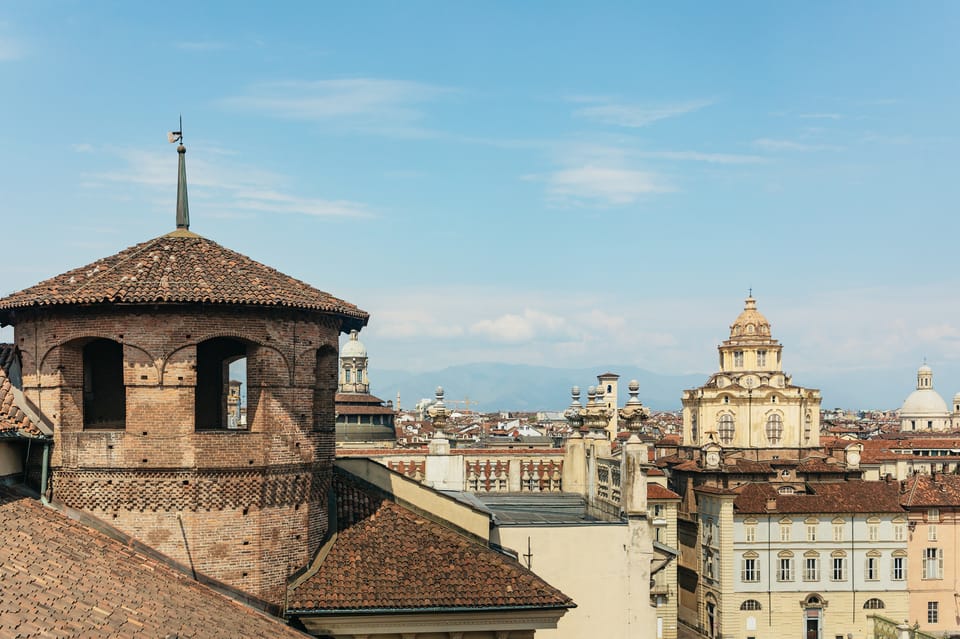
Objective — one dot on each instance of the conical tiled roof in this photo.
(181, 268)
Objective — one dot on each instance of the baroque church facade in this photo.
(751, 402)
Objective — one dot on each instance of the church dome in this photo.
(354, 347)
(925, 401)
(750, 322)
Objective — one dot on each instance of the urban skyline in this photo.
(551, 185)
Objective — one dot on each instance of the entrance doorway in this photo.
(813, 618)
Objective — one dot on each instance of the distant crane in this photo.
(467, 403)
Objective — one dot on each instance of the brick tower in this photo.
(131, 358)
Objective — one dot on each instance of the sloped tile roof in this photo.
(180, 268)
(356, 398)
(387, 557)
(13, 421)
(63, 579)
(925, 491)
(823, 497)
(656, 491)
(369, 409)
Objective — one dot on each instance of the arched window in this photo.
(750, 604)
(873, 604)
(325, 388)
(807, 426)
(774, 428)
(104, 395)
(725, 429)
(219, 361)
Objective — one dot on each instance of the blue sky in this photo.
(552, 183)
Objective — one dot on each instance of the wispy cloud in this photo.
(529, 325)
(698, 156)
(612, 111)
(11, 49)
(366, 104)
(274, 202)
(230, 188)
(200, 45)
(603, 185)
(771, 144)
(821, 116)
(616, 173)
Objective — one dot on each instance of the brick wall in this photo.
(246, 507)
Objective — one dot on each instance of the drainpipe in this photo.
(44, 474)
(26, 462)
(769, 573)
(853, 578)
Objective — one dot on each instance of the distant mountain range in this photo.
(519, 387)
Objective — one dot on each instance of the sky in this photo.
(551, 183)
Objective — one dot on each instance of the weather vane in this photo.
(176, 136)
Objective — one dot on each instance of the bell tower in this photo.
(129, 358)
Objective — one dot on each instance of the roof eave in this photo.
(330, 612)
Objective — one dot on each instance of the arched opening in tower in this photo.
(104, 394)
(220, 396)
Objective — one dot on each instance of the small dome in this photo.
(750, 322)
(925, 402)
(925, 369)
(354, 347)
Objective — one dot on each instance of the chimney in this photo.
(771, 503)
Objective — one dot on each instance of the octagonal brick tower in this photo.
(129, 356)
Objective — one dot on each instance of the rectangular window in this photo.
(933, 563)
(873, 532)
(761, 358)
(898, 532)
(872, 569)
(933, 612)
(931, 532)
(899, 568)
(839, 569)
(785, 532)
(811, 532)
(838, 532)
(933, 514)
(738, 359)
(750, 534)
(785, 573)
(751, 571)
(811, 569)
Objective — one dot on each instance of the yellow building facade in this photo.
(750, 402)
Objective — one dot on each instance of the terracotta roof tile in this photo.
(180, 268)
(387, 557)
(656, 491)
(369, 409)
(13, 420)
(63, 579)
(356, 398)
(822, 497)
(924, 490)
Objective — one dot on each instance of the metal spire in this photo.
(183, 209)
